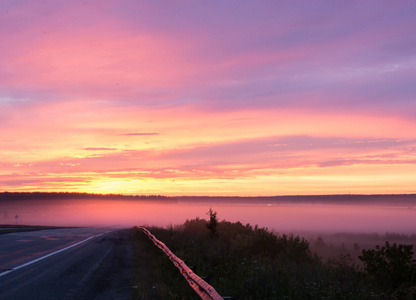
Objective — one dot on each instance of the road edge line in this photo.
(50, 254)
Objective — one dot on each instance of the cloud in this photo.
(98, 149)
(262, 155)
(268, 55)
(215, 89)
(140, 133)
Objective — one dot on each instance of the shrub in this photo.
(391, 265)
(254, 263)
(295, 249)
(195, 226)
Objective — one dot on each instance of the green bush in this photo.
(391, 265)
(254, 263)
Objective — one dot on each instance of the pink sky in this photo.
(208, 98)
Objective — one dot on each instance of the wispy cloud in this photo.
(140, 133)
(98, 149)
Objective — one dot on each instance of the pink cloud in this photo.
(98, 149)
(140, 133)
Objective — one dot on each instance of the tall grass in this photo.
(154, 275)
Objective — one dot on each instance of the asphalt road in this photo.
(79, 263)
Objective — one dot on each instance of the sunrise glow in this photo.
(215, 98)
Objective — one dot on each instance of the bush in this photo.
(254, 263)
(391, 265)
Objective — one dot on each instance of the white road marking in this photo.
(50, 254)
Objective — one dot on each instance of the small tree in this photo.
(294, 248)
(391, 264)
(212, 223)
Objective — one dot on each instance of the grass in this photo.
(154, 276)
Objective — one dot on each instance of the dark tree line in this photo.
(8, 196)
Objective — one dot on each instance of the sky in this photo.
(247, 98)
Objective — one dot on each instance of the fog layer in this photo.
(281, 218)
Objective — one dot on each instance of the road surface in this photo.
(78, 263)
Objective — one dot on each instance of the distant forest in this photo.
(7, 196)
(408, 200)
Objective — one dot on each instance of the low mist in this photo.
(284, 218)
